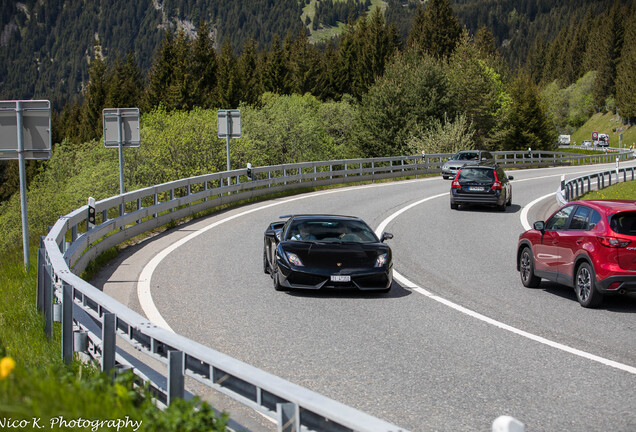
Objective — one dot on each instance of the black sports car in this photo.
(325, 251)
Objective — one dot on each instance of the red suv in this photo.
(588, 245)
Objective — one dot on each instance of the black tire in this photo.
(277, 285)
(509, 203)
(454, 206)
(585, 286)
(445, 177)
(502, 208)
(265, 263)
(526, 269)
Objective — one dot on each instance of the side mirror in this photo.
(386, 236)
(539, 226)
(511, 178)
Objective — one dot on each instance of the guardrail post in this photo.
(176, 382)
(48, 301)
(67, 323)
(288, 416)
(108, 342)
(39, 291)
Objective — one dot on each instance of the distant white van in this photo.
(564, 139)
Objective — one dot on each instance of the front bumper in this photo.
(450, 171)
(379, 279)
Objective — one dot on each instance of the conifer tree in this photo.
(249, 67)
(160, 74)
(125, 87)
(527, 124)
(94, 99)
(204, 67)
(435, 29)
(626, 73)
(303, 64)
(276, 71)
(228, 91)
(605, 51)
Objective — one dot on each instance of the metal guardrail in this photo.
(72, 243)
(578, 186)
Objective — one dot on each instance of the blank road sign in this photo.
(129, 118)
(231, 127)
(36, 129)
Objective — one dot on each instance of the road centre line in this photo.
(153, 314)
(414, 287)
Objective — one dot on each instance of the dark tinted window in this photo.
(624, 223)
(580, 218)
(331, 231)
(467, 156)
(559, 219)
(476, 175)
(595, 218)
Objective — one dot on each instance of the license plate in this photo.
(339, 278)
(476, 188)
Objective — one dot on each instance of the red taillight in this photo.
(613, 242)
(455, 184)
(497, 183)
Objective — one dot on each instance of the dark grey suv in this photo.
(466, 157)
(487, 185)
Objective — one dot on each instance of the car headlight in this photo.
(381, 260)
(293, 259)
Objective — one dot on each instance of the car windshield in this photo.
(624, 223)
(476, 175)
(467, 156)
(331, 231)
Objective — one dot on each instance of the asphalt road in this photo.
(425, 356)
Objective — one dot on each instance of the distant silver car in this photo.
(466, 157)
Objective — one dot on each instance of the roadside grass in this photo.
(607, 124)
(40, 390)
(625, 190)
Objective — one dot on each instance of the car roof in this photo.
(489, 166)
(614, 205)
(322, 217)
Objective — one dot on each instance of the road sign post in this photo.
(25, 133)
(121, 129)
(228, 126)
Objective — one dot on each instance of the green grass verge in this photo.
(607, 124)
(41, 391)
(625, 190)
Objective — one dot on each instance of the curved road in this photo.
(455, 344)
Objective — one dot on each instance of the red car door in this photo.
(572, 241)
(548, 257)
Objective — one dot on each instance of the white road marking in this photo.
(524, 213)
(153, 314)
(414, 287)
(143, 283)
(406, 283)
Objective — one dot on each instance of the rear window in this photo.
(476, 175)
(623, 223)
